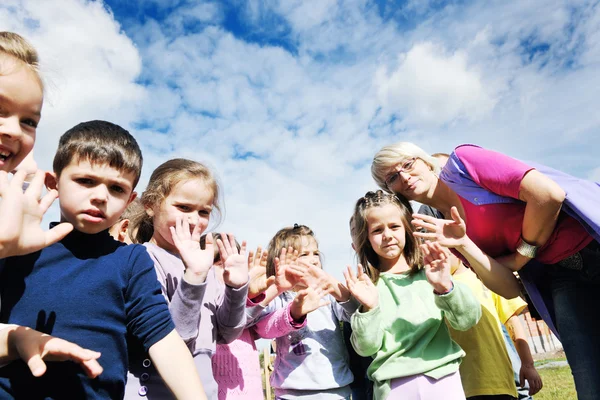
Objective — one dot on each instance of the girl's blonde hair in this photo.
(359, 231)
(16, 46)
(394, 154)
(162, 181)
(284, 238)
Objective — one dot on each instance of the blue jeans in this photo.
(576, 298)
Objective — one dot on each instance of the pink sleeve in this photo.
(493, 171)
(278, 323)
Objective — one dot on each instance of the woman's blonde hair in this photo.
(394, 154)
(359, 230)
(287, 237)
(162, 181)
(16, 46)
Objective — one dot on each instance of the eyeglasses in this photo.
(407, 167)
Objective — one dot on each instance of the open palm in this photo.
(362, 288)
(437, 264)
(288, 273)
(447, 232)
(21, 214)
(308, 300)
(235, 263)
(196, 260)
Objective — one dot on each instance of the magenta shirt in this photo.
(496, 228)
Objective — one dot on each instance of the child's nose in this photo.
(100, 194)
(11, 127)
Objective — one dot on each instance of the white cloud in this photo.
(433, 88)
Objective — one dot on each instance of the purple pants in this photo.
(421, 387)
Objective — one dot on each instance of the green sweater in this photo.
(406, 334)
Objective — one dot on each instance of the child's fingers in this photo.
(196, 233)
(36, 185)
(243, 248)
(209, 242)
(270, 281)
(263, 258)
(251, 259)
(282, 255)
(225, 243)
(232, 246)
(222, 249)
(36, 365)
(455, 215)
(92, 368)
(18, 179)
(4, 183)
(47, 200)
(185, 228)
(57, 233)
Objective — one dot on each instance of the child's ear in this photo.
(123, 229)
(132, 197)
(51, 181)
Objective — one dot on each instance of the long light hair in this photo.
(360, 232)
(162, 181)
(394, 154)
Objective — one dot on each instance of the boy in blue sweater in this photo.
(88, 288)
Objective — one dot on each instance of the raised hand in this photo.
(308, 300)
(235, 263)
(34, 348)
(257, 272)
(21, 214)
(448, 232)
(362, 288)
(437, 264)
(314, 276)
(197, 262)
(288, 273)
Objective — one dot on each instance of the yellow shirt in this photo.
(486, 369)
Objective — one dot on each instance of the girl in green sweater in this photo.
(406, 293)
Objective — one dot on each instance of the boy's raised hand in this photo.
(21, 214)
(437, 264)
(235, 263)
(308, 300)
(257, 273)
(362, 288)
(197, 261)
(35, 347)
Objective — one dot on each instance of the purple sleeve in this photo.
(231, 314)
(147, 313)
(493, 171)
(278, 323)
(185, 308)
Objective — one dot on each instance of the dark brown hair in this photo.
(99, 142)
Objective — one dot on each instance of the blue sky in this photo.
(288, 101)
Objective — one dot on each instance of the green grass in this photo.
(558, 383)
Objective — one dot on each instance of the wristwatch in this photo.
(525, 249)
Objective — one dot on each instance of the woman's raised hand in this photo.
(362, 288)
(437, 264)
(197, 261)
(235, 263)
(447, 232)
